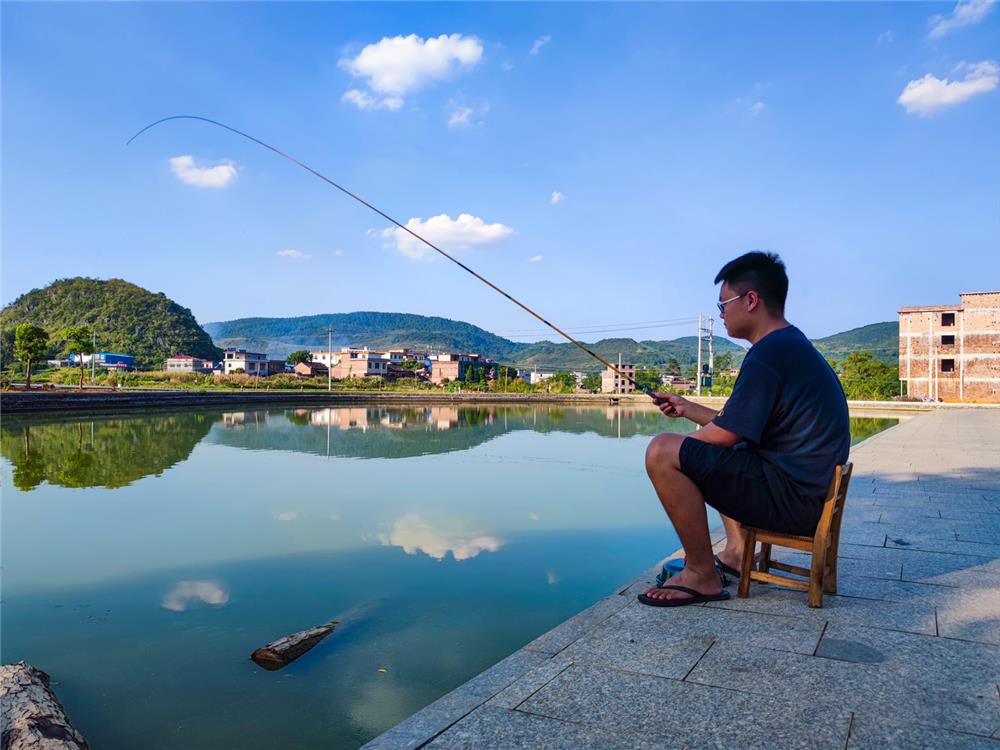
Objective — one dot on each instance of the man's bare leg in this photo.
(684, 504)
(732, 555)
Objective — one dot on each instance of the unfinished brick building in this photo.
(952, 352)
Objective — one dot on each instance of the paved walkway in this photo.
(906, 655)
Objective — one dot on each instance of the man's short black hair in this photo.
(759, 272)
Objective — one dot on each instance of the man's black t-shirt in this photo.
(788, 405)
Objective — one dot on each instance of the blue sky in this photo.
(860, 141)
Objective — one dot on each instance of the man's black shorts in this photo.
(738, 483)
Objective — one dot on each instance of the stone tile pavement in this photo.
(907, 654)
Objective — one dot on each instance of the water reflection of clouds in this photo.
(414, 534)
(185, 593)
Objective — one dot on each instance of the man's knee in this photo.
(663, 452)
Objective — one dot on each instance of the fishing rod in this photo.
(645, 389)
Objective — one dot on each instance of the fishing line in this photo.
(384, 215)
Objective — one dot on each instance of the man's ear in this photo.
(753, 301)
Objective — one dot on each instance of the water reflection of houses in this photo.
(238, 419)
(444, 417)
(345, 418)
(353, 418)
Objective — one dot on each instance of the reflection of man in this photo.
(766, 459)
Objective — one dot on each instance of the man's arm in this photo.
(712, 433)
(673, 405)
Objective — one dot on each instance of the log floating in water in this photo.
(284, 651)
(33, 717)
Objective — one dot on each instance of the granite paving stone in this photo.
(895, 591)
(864, 679)
(669, 641)
(493, 728)
(971, 614)
(528, 683)
(913, 616)
(695, 715)
(877, 734)
(562, 635)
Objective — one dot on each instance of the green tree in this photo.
(647, 377)
(673, 366)
(79, 341)
(724, 362)
(865, 378)
(30, 345)
(563, 382)
(300, 356)
(591, 382)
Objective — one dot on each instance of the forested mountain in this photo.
(881, 340)
(377, 330)
(126, 318)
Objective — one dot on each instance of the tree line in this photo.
(31, 345)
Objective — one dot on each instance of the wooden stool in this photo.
(824, 546)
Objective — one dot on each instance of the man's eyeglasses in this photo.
(722, 305)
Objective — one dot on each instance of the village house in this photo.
(449, 366)
(182, 363)
(952, 352)
(252, 363)
(107, 360)
(310, 369)
(360, 363)
(612, 383)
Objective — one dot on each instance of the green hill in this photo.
(377, 330)
(881, 340)
(127, 319)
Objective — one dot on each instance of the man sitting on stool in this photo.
(766, 459)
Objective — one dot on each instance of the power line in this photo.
(598, 327)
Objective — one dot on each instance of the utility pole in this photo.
(618, 379)
(93, 359)
(329, 358)
(711, 357)
(697, 373)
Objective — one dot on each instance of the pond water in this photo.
(146, 556)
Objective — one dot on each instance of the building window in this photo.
(947, 341)
(947, 319)
(947, 365)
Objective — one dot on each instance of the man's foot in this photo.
(732, 559)
(707, 585)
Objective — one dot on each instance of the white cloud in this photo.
(506, 66)
(929, 95)
(556, 198)
(363, 100)
(289, 253)
(964, 14)
(535, 259)
(447, 233)
(551, 577)
(288, 515)
(185, 170)
(185, 592)
(886, 37)
(395, 66)
(460, 117)
(414, 535)
(338, 252)
(757, 107)
(539, 43)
